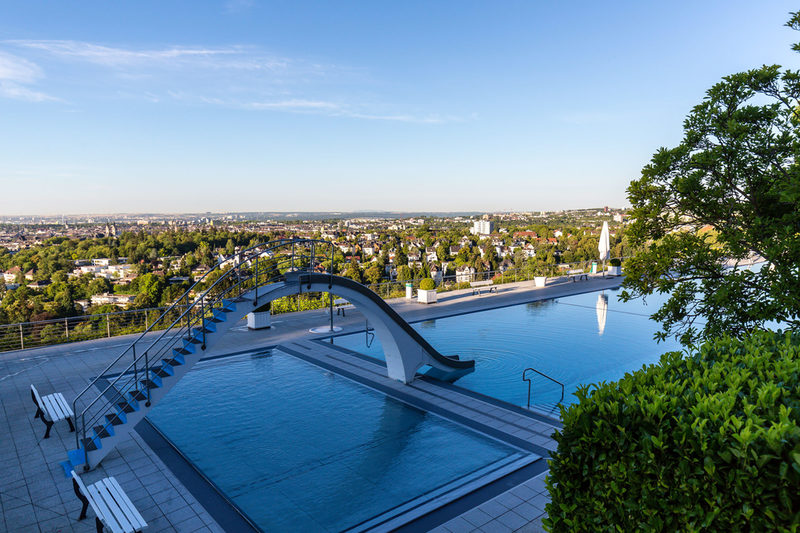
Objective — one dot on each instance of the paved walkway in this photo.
(35, 495)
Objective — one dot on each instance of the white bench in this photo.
(477, 285)
(577, 274)
(341, 304)
(112, 507)
(51, 409)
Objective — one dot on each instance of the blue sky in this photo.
(244, 105)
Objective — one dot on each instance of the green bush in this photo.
(615, 262)
(427, 284)
(709, 440)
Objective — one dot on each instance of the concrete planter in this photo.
(614, 271)
(539, 281)
(426, 297)
(260, 320)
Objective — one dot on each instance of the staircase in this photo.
(113, 403)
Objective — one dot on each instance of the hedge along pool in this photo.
(298, 448)
(576, 340)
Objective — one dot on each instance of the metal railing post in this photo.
(255, 301)
(147, 376)
(66, 328)
(21, 338)
(108, 325)
(203, 320)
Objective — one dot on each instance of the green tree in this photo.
(373, 274)
(730, 189)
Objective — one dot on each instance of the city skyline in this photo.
(248, 106)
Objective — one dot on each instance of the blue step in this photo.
(67, 466)
(104, 431)
(176, 360)
(117, 418)
(164, 371)
(184, 351)
(151, 383)
(138, 395)
(91, 443)
(230, 305)
(218, 316)
(155, 377)
(126, 407)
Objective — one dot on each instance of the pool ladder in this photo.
(526, 378)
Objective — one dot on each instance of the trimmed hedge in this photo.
(709, 440)
(427, 284)
(615, 262)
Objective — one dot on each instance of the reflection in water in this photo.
(538, 307)
(602, 311)
(427, 324)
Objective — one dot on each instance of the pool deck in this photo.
(35, 495)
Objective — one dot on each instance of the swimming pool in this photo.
(579, 339)
(298, 448)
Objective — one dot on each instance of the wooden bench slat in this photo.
(53, 412)
(57, 407)
(102, 510)
(119, 513)
(125, 503)
(64, 405)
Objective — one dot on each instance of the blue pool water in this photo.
(301, 449)
(573, 339)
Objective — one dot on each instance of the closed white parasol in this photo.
(604, 246)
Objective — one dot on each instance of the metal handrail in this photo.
(370, 336)
(525, 378)
(193, 314)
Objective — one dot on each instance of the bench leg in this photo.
(71, 426)
(82, 498)
(38, 413)
(99, 525)
(49, 426)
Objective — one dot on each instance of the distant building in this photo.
(114, 299)
(464, 274)
(482, 227)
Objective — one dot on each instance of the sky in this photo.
(244, 105)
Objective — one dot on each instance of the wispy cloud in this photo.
(236, 76)
(238, 6)
(110, 56)
(16, 74)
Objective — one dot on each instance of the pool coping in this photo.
(541, 417)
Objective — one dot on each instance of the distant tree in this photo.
(99, 286)
(731, 188)
(373, 274)
(404, 273)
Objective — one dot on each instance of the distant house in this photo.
(464, 274)
(436, 274)
(454, 250)
(10, 275)
(113, 299)
(29, 274)
(38, 285)
(430, 254)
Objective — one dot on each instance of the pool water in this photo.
(577, 340)
(298, 448)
